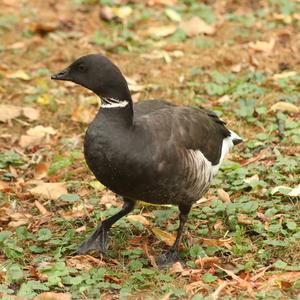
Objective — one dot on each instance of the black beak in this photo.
(62, 75)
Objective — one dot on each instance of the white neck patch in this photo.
(108, 102)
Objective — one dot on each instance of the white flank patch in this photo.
(226, 146)
(113, 103)
(201, 169)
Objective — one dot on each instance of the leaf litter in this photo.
(246, 222)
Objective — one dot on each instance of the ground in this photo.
(238, 58)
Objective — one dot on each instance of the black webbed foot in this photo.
(97, 242)
(168, 258)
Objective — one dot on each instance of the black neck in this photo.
(122, 115)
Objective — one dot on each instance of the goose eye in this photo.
(81, 68)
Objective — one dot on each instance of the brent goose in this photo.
(152, 151)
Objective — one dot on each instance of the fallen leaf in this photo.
(84, 262)
(161, 2)
(207, 262)
(166, 237)
(196, 26)
(176, 268)
(285, 106)
(138, 218)
(223, 195)
(286, 276)
(251, 179)
(244, 219)
(31, 113)
(41, 131)
(262, 46)
(35, 136)
(41, 207)
(224, 99)
(43, 28)
(27, 140)
(19, 219)
(284, 75)
(83, 114)
(295, 192)
(216, 242)
(49, 190)
(160, 31)
(236, 68)
(53, 296)
(4, 187)
(9, 112)
(173, 15)
(41, 170)
(20, 74)
(122, 12)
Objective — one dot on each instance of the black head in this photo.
(98, 74)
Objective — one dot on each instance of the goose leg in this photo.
(98, 240)
(173, 255)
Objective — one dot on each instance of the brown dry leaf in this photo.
(176, 268)
(84, 262)
(138, 218)
(207, 262)
(83, 114)
(4, 187)
(262, 46)
(9, 112)
(285, 276)
(195, 285)
(19, 219)
(285, 106)
(196, 26)
(41, 131)
(49, 190)
(35, 136)
(244, 219)
(166, 296)
(41, 170)
(218, 224)
(224, 99)
(53, 296)
(20, 74)
(166, 237)
(28, 140)
(42, 28)
(216, 242)
(31, 113)
(284, 75)
(160, 31)
(41, 207)
(161, 2)
(123, 12)
(223, 195)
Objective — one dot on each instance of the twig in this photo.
(280, 125)
(215, 295)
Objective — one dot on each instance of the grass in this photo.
(241, 242)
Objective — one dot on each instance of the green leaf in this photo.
(209, 278)
(279, 264)
(71, 198)
(44, 234)
(135, 265)
(4, 235)
(197, 251)
(291, 225)
(14, 273)
(10, 158)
